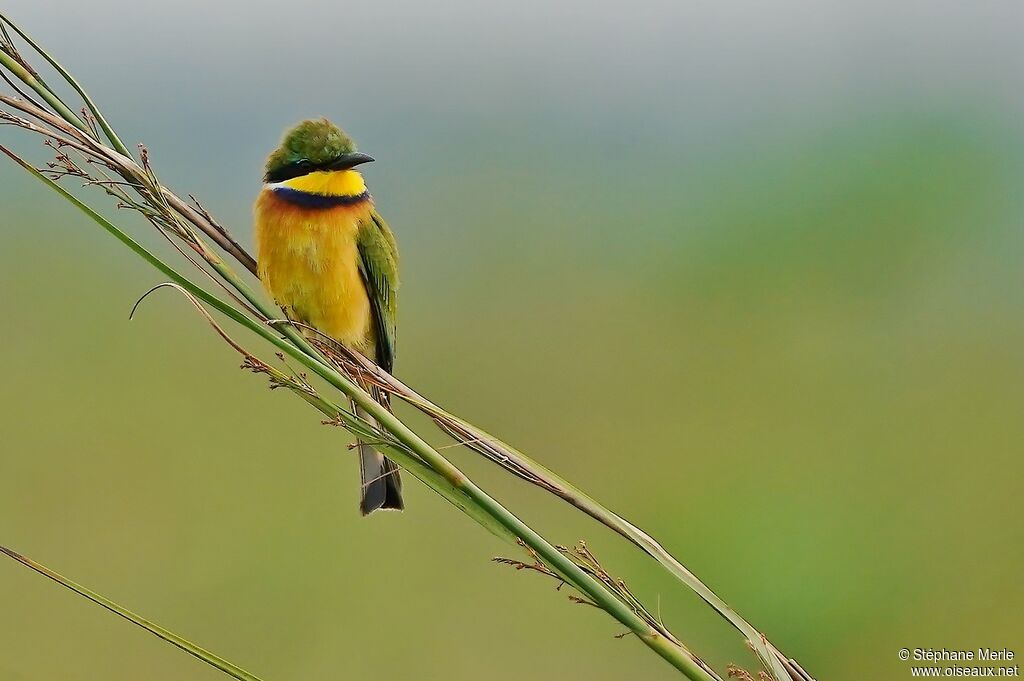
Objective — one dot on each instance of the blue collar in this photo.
(307, 200)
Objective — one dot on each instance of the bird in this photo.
(330, 261)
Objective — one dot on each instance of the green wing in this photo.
(378, 263)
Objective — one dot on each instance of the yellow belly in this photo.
(309, 262)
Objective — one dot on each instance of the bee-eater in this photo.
(331, 262)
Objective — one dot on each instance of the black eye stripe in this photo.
(295, 169)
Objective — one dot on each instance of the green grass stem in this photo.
(155, 629)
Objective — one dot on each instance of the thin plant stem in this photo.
(153, 628)
(107, 130)
(25, 76)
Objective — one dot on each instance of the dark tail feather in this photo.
(382, 484)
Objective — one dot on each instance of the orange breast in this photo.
(309, 262)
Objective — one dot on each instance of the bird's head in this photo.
(312, 146)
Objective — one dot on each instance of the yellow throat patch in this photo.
(328, 183)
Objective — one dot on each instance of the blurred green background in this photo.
(751, 274)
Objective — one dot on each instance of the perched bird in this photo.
(331, 262)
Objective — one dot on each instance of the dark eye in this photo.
(304, 164)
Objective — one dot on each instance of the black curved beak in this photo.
(346, 161)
